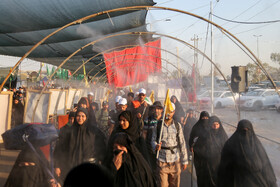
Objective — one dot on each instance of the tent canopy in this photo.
(26, 22)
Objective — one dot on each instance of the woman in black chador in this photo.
(244, 162)
(129, 126)
(82, 143)
(197, 140)
(211, 154)
(179, 111)
(29, 170)
(200, 129)
(130, 167)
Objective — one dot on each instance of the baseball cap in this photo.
(123, 101)
(118, 98)
(90, 93)
(104, 103)
(142, 91)
(157, 104)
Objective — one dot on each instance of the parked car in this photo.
(258, 99)
(204, 99)
(221, 99)
(225, 99)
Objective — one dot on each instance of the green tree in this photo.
(275, 57)
(255, 73)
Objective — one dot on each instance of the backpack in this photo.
(177, 134)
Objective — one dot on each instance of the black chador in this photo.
(211, 154)
(244, 162)
(82, 143)
(134, 170)
(29, 170)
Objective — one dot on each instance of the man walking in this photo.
(102, 117)
(149, 124)
(172, 151)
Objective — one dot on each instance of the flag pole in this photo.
(161, 129)
(162, 123)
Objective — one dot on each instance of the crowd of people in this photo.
(134, 144)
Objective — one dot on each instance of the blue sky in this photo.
(225, 51)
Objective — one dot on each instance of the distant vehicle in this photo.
(221, 99)
(204, 99)
(258, 99)
(225, 99)
(252, 88)
(277, 105)
(277, 83)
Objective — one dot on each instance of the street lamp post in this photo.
(211, 57)
(258, 52)
(257, 36)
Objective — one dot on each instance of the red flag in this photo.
(192, 94)
(133, 65)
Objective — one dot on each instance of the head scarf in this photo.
(204, 114)
(127, 115)
(132, 130)
(83, 100)
(84, 110)
(217, 137)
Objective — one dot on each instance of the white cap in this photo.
(5, 89)
(123, 101)
(118, 98)
(173, 105)
(90, 93)
(142, 91)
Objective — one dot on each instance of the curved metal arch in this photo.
(258, 62)
(104, 74)
(132, 33)
(142, 63)
(123, 47)
(130, 8)
(136, 59)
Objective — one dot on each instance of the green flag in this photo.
(53, 69)
(58, 73)
(48, 71)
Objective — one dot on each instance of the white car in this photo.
(258, 99)
(221, 99)
(277, 105)
(225, 99)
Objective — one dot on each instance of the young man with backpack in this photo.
(173, 157)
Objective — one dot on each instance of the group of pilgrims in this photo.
(121, 147)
